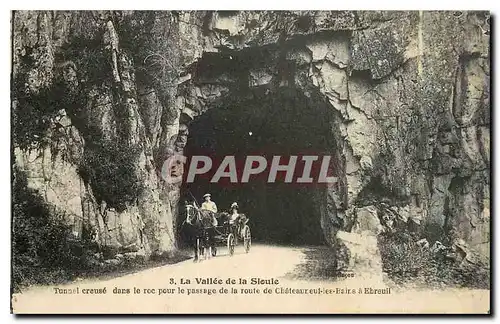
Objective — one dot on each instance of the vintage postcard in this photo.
(257, 162)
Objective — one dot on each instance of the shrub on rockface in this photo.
(33, 113)
(110, 168)
(406, 262)
(43, 249)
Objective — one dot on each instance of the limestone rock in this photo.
(365, 260)
(113, 262)
(367, 221)
(366, 163)
(333, 50)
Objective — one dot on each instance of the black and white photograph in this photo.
(250, 162)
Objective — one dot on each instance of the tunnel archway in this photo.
(262, 122)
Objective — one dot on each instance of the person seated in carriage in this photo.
(208, 206)
(236, 220)
(233, 217)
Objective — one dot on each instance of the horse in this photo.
(200, 225)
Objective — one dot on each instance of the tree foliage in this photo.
(111, 171)
(43, 248)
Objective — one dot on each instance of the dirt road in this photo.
(206, 287)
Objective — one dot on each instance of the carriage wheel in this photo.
(247, 238)
(230, 243)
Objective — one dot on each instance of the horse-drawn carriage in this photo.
(231, 234)
(207, 230)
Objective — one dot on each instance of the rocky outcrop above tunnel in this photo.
(409, 95)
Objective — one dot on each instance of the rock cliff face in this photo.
(101, 99)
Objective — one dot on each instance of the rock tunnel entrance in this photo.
(267, 123)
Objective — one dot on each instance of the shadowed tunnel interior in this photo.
(285, 123)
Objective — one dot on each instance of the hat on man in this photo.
(234, 205)
(206, 195)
